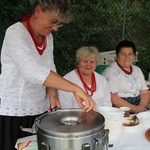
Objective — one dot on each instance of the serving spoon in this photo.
(134, 121)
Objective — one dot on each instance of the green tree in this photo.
(96, 22)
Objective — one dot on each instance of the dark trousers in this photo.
(10, 130)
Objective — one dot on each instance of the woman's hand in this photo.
(84, 101)
(63, 84)
(54, 102)
(53, 99)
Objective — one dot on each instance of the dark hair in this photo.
(125, 43)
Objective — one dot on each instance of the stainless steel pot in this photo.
(71, 129)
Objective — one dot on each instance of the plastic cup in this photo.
(126, 111)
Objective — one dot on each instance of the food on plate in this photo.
(147, 134)
(130, 121)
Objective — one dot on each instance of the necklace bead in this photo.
(39, 46)
(125, 71)
(92, 89)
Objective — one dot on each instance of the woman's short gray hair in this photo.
(87, 52)
(59, 6)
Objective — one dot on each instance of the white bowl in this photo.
(109, 109)
(111, 113)
(113, 119)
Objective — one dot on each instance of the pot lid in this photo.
(70, 123)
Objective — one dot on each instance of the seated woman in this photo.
(83, 75)
(126, 81)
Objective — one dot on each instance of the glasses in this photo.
(56, 23)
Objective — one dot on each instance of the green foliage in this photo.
(12, 11)
(100, 23)
(91, 26)
(96, 22)
(144, 59)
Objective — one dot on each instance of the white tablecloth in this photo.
(132, 138)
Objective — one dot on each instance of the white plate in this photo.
(144, 116)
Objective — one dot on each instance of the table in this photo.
(132, 138)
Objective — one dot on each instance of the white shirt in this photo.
(101, 96)
(23, 73)
(123, 84)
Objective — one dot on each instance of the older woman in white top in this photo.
(83, 75)
(126, 81)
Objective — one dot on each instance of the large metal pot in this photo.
(71, 129)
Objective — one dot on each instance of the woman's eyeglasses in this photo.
(56, 23)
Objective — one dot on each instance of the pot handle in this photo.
(30, 130)
(102, 143)
(86, 146)
(45, 146)
(33, 129)
(107, 136)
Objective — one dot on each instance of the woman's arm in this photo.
(119, 102)
(56, 81)
(145, 98)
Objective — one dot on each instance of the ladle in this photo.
(134, 121)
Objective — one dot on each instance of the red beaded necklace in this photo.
(86, 87)
(39, 46)
(125, 71)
